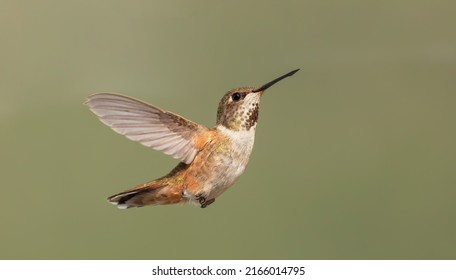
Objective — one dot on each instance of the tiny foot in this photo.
(204, 201)
(207, 202)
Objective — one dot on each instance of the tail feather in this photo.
(121, 199)
(137, 197)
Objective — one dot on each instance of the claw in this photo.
(202, 200)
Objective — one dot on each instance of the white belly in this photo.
(233, 163)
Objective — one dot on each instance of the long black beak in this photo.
(266, 86)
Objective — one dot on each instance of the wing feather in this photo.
(149, 125)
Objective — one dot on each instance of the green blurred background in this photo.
(354, 155)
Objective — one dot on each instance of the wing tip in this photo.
(101, 94)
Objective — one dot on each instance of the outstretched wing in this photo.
(147, 124)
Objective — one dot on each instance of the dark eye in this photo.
(236, 96)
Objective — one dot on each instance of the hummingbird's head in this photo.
(238, 109)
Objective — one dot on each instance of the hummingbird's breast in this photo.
(223, 160)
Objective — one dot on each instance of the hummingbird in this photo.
(211, 159)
